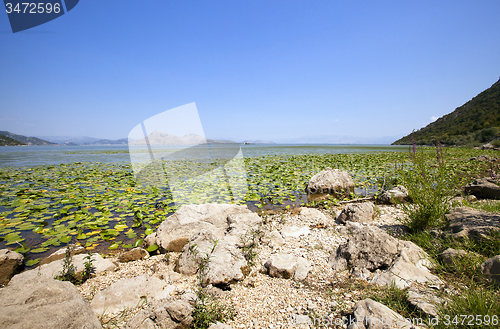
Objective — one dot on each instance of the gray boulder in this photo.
(449, 255)
(425, 300)
(287, 266)
(133, 255)
(357, 212)
(398, 194)
(373, 255)
(221, 219)
(273, 239)
(369, 314)
(61, 253)
(491, 269)
(43, 302)
(11, 263)
(226, 263)
(331, 181)
(368, 248)
(486, 188)
(312, 215)
(127, 293)
(172, 314)
(471, 223)
(54, 268)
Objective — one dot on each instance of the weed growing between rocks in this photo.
(431, 187)
(89, 267)
(208, 309)
(68, 269)
(249, 241)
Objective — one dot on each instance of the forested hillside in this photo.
(473, 123)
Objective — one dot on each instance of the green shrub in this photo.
(430, 186)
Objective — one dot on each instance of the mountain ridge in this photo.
(475, 121)
(26, 140)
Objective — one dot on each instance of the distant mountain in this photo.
(78, 140)
(159, 138)
(257, 142)
(7, 141)
(476, 121)
(122, 141)
(26, 140)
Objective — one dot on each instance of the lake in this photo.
(28, 156)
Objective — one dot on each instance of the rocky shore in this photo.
(293, 269)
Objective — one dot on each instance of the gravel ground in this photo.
(261, 301)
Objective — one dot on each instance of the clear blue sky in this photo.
(276, 70)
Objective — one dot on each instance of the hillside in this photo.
(25, 140)
(476, 121)
(7, 141)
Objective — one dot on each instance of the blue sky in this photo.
(301, 71)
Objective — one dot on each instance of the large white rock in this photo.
(357, 212)
(221, 219)
(373, 255)
(226, 264)
(398, 194)
(369, 314)
(312, 215)
(11, 263)
(45, 303)
(128, 293)
(287, 266)
(331, 181)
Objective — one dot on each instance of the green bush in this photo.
(430, 185)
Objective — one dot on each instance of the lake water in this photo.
(27, 156)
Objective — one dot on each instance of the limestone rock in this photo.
(128, 293)
(171, 277)
(491, 269)
(425, 300)
(287, 266)
(331, 181)
(133, 255)
(369, 248)
(274, 239)
(369, 314)
(471, 223)
(295, 231)
(175, 314)
(404, 271)
(448, 256)
(357, 212)
(54, 268)
(374, 255)
(174, 232)
(11, 263)
(59, 254)
(44, 303)
(312, 215)
(226, 265)
(486, 188)
(398, 194)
